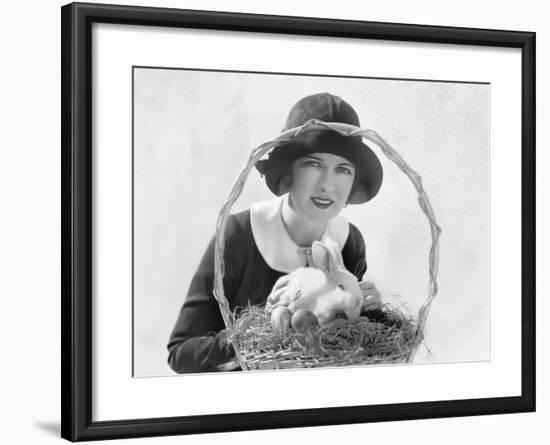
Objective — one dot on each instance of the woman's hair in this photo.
(286, 181)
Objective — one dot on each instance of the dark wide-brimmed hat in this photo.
(315, 139)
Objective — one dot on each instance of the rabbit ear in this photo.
(323, 257)
(335, 249)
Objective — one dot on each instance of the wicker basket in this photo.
(307, 348)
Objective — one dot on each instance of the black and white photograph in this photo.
(274, 222)
(301, 221)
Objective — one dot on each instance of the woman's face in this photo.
(320, 187)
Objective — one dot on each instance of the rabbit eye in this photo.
(341, 287)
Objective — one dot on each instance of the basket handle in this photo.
(346, 130)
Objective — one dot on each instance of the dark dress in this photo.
(198, 342)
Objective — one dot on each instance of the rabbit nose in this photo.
(341, 314)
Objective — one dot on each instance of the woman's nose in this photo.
(327, 182)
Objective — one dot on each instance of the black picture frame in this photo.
(76, 246)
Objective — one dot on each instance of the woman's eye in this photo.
(311, 163)
(341, 287)
(345, 170)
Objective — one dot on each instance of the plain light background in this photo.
(193, 134)
(30, 225)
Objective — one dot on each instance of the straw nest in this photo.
(378, 336)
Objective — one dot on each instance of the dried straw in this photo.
(380, 336)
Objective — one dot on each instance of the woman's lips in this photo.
(322, 203)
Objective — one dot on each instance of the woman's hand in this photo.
(226, 353)
(285, 291)
(229, 366)
(371, 296)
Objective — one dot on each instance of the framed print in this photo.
(275, 221)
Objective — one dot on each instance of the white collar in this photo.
(279, 251)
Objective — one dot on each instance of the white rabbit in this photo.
(325, 290)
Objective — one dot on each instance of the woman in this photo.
(315, 176)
